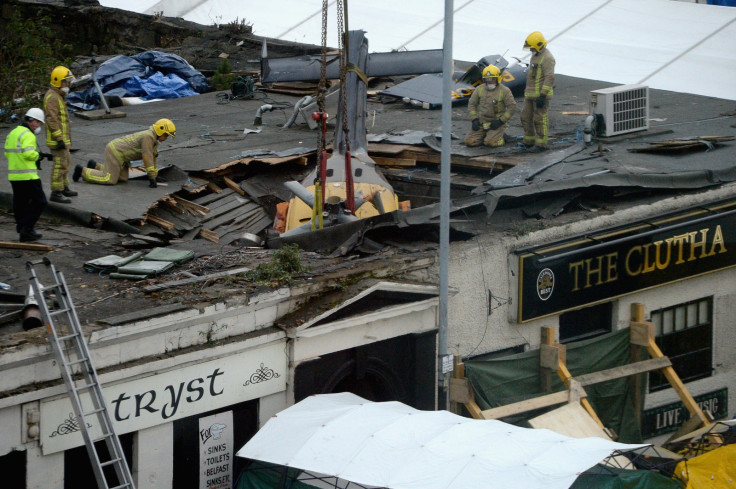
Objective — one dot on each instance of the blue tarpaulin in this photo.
(151, 74)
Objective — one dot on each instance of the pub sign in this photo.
(599, 267)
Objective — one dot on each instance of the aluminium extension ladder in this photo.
(72, 354)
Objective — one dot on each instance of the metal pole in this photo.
(447, 69)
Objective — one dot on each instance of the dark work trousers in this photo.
(29, 200)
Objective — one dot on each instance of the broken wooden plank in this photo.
(233, 186)
(190, 205)
(214, 187)
(194, 280)
(162, 223)
(17, 245)
(384, 161)
(209, 235)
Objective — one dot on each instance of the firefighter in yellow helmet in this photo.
(491, 106)
(142, 145)
(540, 78)
(58, 135)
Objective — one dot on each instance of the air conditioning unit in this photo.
(620, 109)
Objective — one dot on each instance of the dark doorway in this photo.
(78, 473)
(400, 369)
(13, 468)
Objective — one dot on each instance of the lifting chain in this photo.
(342, 35)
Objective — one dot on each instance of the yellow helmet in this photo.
(164, 126)
(492, 72)
(59, 74)
(535, 41)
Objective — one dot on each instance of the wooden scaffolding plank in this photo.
(526, 405)
(624, 371)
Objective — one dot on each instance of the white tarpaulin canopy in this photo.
(666, 44)
(390, 444)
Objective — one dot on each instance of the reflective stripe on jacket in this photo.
(20, 150)
(142, 145)
(488, 105)
(57, 118)
(540, 78)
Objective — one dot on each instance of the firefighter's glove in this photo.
(541, 100)
(60, 145)
(496, 123)
(38, 161)
(476, 124)
(48, 156)
(152, 182)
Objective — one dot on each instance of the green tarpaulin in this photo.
(515, 378)
(612, 478)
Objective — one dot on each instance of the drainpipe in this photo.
(31, 312)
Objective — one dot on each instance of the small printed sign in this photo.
(216, 451)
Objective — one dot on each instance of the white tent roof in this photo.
(390, 444)
(670, 45)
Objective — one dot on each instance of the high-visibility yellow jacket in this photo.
(57, 118)
(142, 145)
(487, 105)
(541, 75)
(21, 152)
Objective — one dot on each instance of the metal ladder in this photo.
(72, 354)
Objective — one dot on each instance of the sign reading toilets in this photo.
(168, 396)
(216, 451)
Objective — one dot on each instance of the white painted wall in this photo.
(486, 262)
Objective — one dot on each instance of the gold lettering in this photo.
(575, 268)
(647, 267)
(718, 241)
(698, 244)
(611, 270)
(629, 271)
(663, 265)
(679, 240)
(594, 271)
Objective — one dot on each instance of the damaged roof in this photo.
(225, 175)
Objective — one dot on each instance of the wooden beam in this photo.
(383, 161)
(157, 221)
(624, 371)
(214, 187)
(233, 186)
(17, 245)
(193, 280)
(209, 235)
(526, 405)
(459, 390)
(190, 205)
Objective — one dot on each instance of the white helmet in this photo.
(37, 114)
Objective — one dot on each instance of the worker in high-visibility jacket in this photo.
(491, 106)
(142, 145)
(540, 80)
(24, 160)
(58, 135)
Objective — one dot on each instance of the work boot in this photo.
(59, 197)
(77, 173)
(537, 149)
(92, 164)
(67, 192)
(26, 237)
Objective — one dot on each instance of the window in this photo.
(685, 334)
(586, 323)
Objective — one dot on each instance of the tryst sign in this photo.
(664, 419)
(596, 268)
(167, 396)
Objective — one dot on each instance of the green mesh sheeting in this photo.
(262, 475)
(517, 377)
(600, 477)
